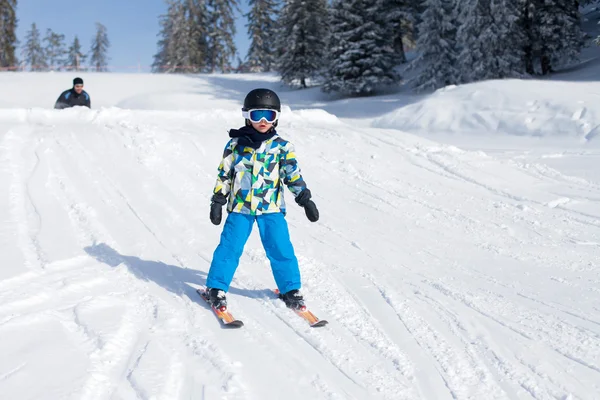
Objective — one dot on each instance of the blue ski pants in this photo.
(275, 238)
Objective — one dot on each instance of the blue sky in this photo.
(132, 25)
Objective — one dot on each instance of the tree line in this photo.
(356, 46)
(49, 52)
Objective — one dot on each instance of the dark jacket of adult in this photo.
(70, 98)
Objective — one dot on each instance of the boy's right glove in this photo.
(216, 205)
(310, 208)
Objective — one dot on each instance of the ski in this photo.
(305, 314)
(223, 314)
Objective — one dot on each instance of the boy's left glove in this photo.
(310, 208)
(216, 205)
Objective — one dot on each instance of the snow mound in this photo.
(508, 107)
(315, 116)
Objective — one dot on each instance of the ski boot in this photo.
(217, 299)
(294, 300)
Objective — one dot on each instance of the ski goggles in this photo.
(259, 114)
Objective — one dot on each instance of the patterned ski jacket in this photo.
(253, 178)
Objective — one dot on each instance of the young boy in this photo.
(255, 162)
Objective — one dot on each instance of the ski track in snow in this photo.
(23, 211)
(442, 285)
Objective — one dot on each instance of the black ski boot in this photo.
(294, 300)
(217, 299)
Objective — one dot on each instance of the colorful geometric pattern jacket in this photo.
(252, 178)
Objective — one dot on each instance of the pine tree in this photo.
(527, 25)
(362, 54)
(505, 38)
(262, 29)
(303, 38)
(8, 38)
(475, 39)
(398, 18)
(437, 60)
(490, 41)
(508, 51)
(99, 50)
(221, 30)
(410, 13)
(194, 39)
(560, 36)
(164, 59)
(33, 52)
(183, 44)
(55, 49)
(75, 57)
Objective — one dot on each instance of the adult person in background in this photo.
(75, 96)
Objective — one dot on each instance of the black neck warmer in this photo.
(250, 137)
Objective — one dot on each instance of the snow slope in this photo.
(444, 273)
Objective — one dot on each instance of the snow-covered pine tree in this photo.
(436, 43)
(527, 26)
(302, 41)
(417, 11)
(55, 49)
(476, 41)
(8, 37)
(508, 50)
(262, 30)
(99, 50)
(221, 30)
(75, 57)
(560, 36)
(33, 52)
(398, 17)
(490, 40)
(362, 56)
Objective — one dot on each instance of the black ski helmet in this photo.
(262, 98)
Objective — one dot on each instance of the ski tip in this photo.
(234, 324)
(319, 324)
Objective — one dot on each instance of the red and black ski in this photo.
(223, 314)
(306, 314)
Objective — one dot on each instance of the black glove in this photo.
(216, 205)
(310, 208)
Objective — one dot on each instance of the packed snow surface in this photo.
(457, 255)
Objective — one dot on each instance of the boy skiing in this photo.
(255, 162)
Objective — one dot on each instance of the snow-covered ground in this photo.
(457, 255)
